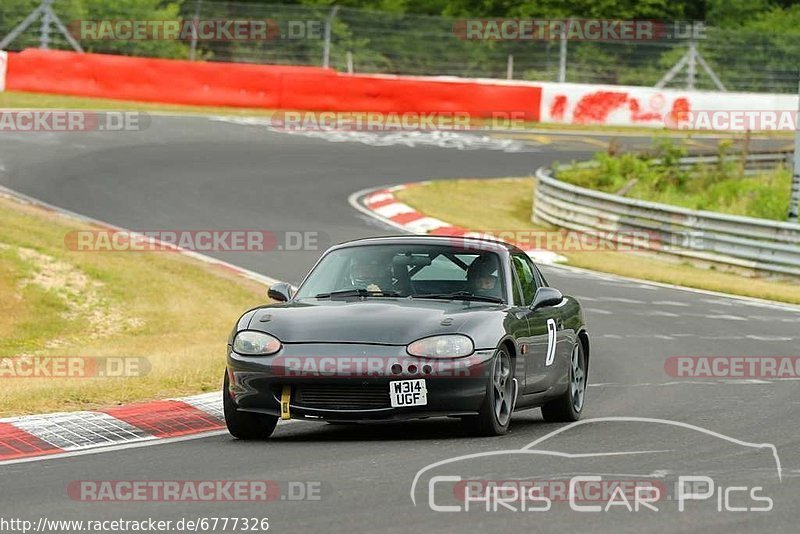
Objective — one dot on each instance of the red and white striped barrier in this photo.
(207, 83)
(383, 205)
(317, 89)
(617, 105)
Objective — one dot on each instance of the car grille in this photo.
(342, 397)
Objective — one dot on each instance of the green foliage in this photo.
(70, 12)
(135, 10)
(734, 13)
(715, 187)
(753, 44)
(671, 175)
(610, 174)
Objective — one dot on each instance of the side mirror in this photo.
(280, 292)
(546, 296)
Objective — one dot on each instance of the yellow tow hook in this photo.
(286, 396)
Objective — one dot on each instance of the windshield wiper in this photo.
(457, 295)
(357, 292)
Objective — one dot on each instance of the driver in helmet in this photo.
(369, 273)
(482, 276)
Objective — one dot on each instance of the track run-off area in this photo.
(201, 173)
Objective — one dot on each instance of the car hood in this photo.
(373, 321)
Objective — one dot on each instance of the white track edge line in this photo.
(133, 444)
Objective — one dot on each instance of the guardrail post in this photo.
(794, 200)
(326, 51)
(690, 60)
(691, 68)
(44, 33)
(562, 55)
(195, 23)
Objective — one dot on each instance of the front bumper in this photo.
(350, 382)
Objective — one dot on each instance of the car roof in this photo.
(478, 243)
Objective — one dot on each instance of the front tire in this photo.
(568, 407)
(245, 425)
(494, 416)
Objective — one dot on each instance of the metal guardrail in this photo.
(743, 242)
(753, 163)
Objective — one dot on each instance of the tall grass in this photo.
(720, 187)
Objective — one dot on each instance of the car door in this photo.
(516, 324)
(546, 342)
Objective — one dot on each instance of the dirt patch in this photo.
(82, 296)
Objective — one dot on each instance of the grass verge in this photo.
(18, 99)
(504, 205)
(163, 307)
(720, 187)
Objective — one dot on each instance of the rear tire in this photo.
(494, 416)
(568, 407)
(245, 425)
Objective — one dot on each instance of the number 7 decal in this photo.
(551, 342)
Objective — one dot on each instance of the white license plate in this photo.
(408, 393)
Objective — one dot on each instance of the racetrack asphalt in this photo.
(196, 173)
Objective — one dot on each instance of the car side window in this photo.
(540, 277)
(515, 287)
(524, 270)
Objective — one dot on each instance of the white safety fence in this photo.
(620, 105)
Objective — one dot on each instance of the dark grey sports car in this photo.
(396, 328)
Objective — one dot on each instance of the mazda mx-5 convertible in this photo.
(395, 328)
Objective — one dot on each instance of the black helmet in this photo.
(366, 270)
(481, 267)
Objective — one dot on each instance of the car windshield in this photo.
(416, 271)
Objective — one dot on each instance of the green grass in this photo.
(503, 205)
(721, 188)
(18, 99)
(174, 311)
